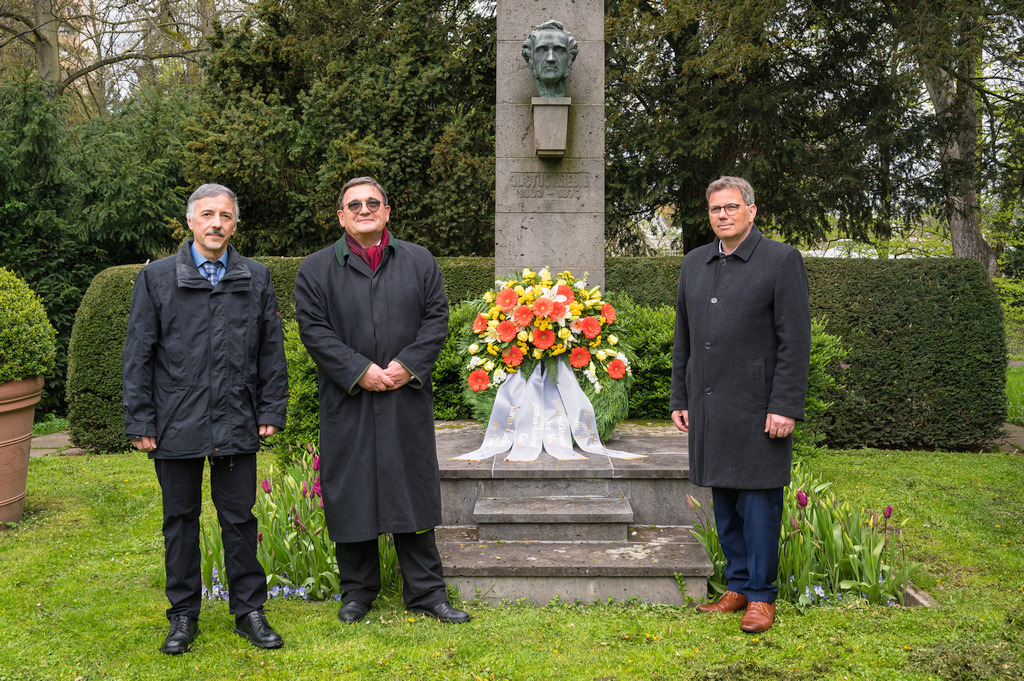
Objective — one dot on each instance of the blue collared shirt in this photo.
(200, 259)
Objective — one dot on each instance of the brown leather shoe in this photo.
(729, 602)
(759, 617)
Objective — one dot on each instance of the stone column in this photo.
(549, 211)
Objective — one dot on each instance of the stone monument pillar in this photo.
(549, 188)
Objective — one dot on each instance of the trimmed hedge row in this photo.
(924, 366)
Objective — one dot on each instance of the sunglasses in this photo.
(372, 205)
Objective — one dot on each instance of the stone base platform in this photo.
(587, 530)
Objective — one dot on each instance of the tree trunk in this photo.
(47, 48)
(956, 105)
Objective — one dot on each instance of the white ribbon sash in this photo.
(537, 413)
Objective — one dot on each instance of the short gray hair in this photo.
(355, 182)
(730, 182)
(208, 191)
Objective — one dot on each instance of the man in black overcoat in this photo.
(373, 315)
(205, 377)
(739, 383)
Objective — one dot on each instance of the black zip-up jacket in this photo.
(204, 366)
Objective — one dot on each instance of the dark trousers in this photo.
(749, 522)
(422, 575)
(233, 488)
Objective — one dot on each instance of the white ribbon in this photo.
(537, 413)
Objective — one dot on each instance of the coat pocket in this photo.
(759, 389)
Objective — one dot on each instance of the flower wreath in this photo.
(537, 320)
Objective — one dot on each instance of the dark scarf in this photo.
(372, 255)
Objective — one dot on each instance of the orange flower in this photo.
(507, 299)
(480, 324)
(616, 368)
(579, 358)
(591, 327)
(506, 330)
(523, 315)
(558, 309)
(566, 291)
(512, 356)
(542, 307)
(543, 338)
(479, 380)
(609, 314)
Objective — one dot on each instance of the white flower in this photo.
(489, 366)
(473, 349)
(602, 355)
(475, 361)
(613, 339)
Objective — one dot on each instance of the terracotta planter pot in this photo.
(17, 409)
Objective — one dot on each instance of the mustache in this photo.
(214, 232)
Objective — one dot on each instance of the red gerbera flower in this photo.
(616, 368)
(512, 356)
(558, 309)
(543, 338)
(591, 327)
(609, 313)
(507, 299)
(479, 380)
(506, 330)
(542, 307)
(480, 324)
(523, 315)
(579, 358)
(566, 291)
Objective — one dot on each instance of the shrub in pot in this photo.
(27, 352)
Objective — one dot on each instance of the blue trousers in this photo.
(749, 522)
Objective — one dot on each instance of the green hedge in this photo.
(924, 363)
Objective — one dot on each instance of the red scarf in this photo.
(372, 255)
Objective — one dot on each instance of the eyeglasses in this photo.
(372, 205)
(729, 208)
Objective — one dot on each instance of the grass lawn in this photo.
(1015, 395)
(81, 597)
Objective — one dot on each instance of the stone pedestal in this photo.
(549, 208)
(581, 530)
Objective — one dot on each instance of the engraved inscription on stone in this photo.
(549, 185)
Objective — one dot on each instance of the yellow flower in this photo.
(597, 341)
(492, 350)
(557, 349)
(537, 353)
(523, 336)
(613, 340)
(493, 312)
(489, 297)
(489, 366)
(473, 349)
(576, 309)
(564, 333)
(520, 290)
(528, 273)
(543, 323)
(602, 355)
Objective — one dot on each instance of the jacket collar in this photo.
(743, 251)
(237, 277)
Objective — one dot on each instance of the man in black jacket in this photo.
(205, 377)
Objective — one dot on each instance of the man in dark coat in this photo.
(205, 377)
(373, 314)
(739, 383)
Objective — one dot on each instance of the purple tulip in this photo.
(303, 490)
(298, 521)
(309, 447)
(801, 499)
(316, 462)
(793, 523)
(259, 537)
(316, 487)
(266, 485)
(887, 513)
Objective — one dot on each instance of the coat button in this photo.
(707, 391)
(707, 346)
(714, 300)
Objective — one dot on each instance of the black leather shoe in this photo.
(444, 612)
(254, 627)
(353, 611)
(184, 630)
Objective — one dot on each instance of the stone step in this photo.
(540, 571)
(569, 518)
